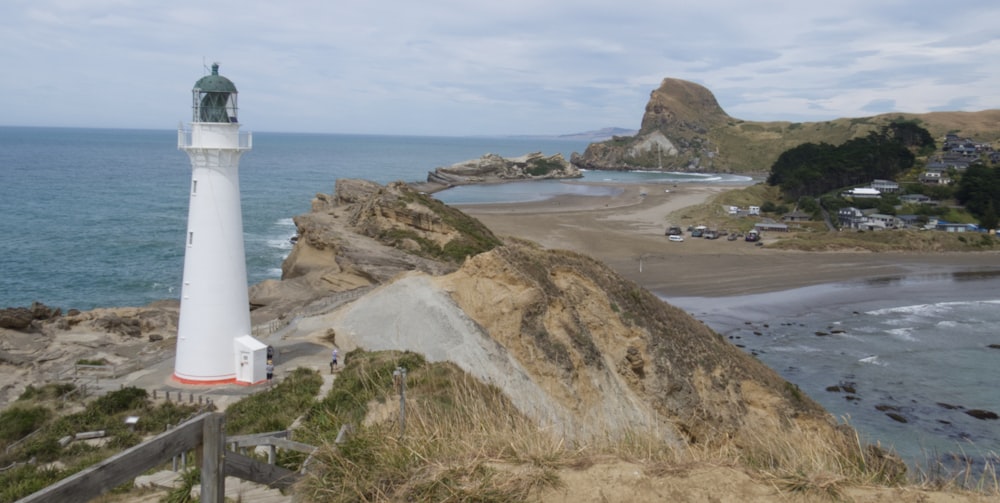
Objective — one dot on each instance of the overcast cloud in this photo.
(469, 67)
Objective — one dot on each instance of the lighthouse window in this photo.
(190, 238)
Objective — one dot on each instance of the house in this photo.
(850, 217)
(755, 210)
(915, 199)
(909, 221)
(885, 186)
(934, 178)
(862, 193)
(877, 221)
(796, 216)
(941, 225)
(770, 226)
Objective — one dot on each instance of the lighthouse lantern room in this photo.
(214, 343)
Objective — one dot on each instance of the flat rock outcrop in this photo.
(492, 168)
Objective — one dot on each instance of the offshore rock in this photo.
(492, 168)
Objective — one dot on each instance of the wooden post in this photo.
(213, 468)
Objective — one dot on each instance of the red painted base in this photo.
(216, 382)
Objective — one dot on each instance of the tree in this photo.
(989, 218)
(979, 189)
(812, 169)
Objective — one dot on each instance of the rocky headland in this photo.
(577, 347)
(685, 129)
(492, 168)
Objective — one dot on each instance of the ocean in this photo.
(96, 218)
(905, 360)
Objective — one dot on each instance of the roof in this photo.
(215, 83)
(865, 190)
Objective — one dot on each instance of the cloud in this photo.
(444, 67)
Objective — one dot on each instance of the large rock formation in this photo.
(492, 168)
(363, 235)
(675, 133)
(685, 129)
(575, 346)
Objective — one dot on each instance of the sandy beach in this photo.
(626, 231)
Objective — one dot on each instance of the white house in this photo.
(862, 193)
(885, 186)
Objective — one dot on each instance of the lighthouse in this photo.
(214, 342)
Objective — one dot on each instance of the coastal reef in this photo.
(492, 168)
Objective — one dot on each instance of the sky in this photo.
(474, 67)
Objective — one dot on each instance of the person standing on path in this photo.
(333, 360)
(270, 370)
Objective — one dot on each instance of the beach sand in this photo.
(626, 231)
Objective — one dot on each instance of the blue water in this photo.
(916, 346)
(96, 217)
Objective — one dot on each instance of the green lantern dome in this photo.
(214, 98)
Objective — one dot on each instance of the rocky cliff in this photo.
(684, 129)
(581, 350)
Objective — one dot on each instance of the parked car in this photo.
(675, 238)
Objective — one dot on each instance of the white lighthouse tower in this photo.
(214, 345)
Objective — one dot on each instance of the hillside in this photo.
(684, 129)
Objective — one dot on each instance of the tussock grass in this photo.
(465, 441)
(816, 461)
(889, 241)
(276, 408)
(961, 472)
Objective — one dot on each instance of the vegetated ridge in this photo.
(684, 129)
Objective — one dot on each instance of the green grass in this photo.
(276, 408)
(37, 409)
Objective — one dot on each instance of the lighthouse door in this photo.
(246, 367)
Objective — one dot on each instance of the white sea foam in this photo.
(287, 222)
(939, 308)
(873, 360)
(280, 244)
(905, 333)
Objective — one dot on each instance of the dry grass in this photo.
(464, 441)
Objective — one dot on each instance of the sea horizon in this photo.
(95, 217)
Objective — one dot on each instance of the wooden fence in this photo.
(205, 434)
